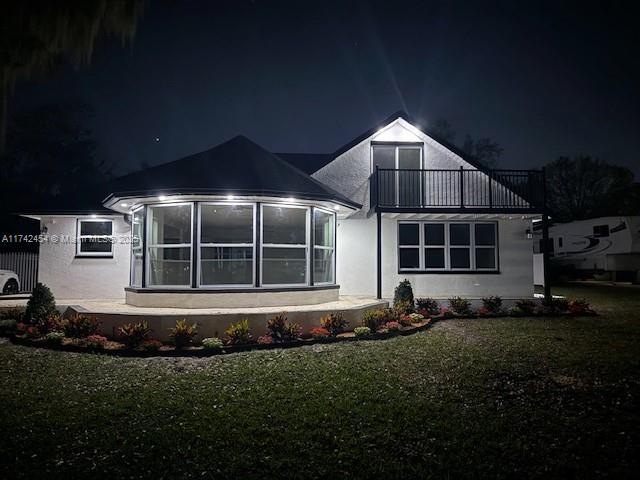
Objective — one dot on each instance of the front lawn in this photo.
(498, 398)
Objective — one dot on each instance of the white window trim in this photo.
(304, 246)
(140, 248)
(167, 245)
(202, 245)
(79, 237)
(324, 247)
(447, 247)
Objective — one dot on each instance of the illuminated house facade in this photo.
(238, 226)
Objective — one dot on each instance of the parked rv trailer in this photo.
(606, 248)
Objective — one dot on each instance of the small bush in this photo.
(555, 306)
(362, 331)
(483, 312)
(525, 306)
(265, 340)
(416, 317)
(51, 323)
(212, 343)
(133, 334)
(403, 296)
(31, 331)
(319, 332)
(8, 326)
(183, 333)
(492, 304)
(13, 313)
(429, 305)
(54, 338)
(41, 304)
(150, 345)
(374, 319)
(392, 326)
(95, 341)
(281, 330)
(446, 313)
(80, 326)
(579, 307)
(334, 323)
(460, 305)
(238, 333)
(404, 320)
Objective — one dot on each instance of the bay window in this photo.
(284, 245)
(323, 247)
(226, 244)
(169, 238)
(447, 246)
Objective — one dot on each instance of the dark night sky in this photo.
(304, 76)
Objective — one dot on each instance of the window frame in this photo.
(397, 147)
(141, 248)
(333, 217)
(264, 245)
(149, 245)
(79, 237)
(202, 245)
(447, 247)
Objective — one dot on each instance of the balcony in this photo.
(460, 190)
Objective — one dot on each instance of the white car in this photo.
(9, 282)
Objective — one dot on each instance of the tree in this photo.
(37, 36)
(485, 151)
(51, 152)
(583, 187)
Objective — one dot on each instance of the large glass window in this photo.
(324, 247)
(284, 245)
(169, 238)
(137, 245)
(94, 237)
(226, 244)
(455, 246)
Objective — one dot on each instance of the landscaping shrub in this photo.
(238, 333)
(483, 312)
(8, 327)
(392, 326)
(525, 306)
(404, 320)
(183, 333)
(319, 332)
(492, 304)
(41, 304)
(150, 345)
(362, 331)
(30, 331)
(95, 341)
(133, 334)
(212, 343)
(265, 340)
(281, 330)
(403, 296)
(429, 305)
(460, 305)
(13, 313)
(80, 326)
(416, 317)
(579, 307)
(446, 313)
(51, 323)
(374, 319)
(555, 306)
(334, 323)
(54, 338)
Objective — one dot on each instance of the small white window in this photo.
(94, 237)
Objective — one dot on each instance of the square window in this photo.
(284, 225)
(409, 234)
(434, 234)
(434, 257)
(284, 266)
(485, 258)
(485, 234)
(409, 258)
(459, 234)
(226, 266)
(460, 258)
(102, 227)
(94, 238)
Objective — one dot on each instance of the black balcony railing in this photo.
(491, 190)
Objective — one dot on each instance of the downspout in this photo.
(379, 254)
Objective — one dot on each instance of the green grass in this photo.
(498, 398)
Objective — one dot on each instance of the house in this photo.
(605, 247)
(238, 225)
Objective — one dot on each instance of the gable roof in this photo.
(238, 166)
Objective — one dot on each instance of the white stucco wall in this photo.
(356, 256)
(69, 277)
